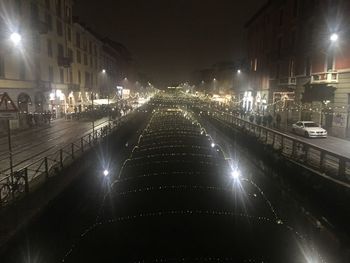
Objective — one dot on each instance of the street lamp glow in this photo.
(212, 145)
(15, 38)
(235, 174)
(239, 71)
(105, 172)
(334, 37)
(103, 71)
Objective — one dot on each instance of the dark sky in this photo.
(169, 39)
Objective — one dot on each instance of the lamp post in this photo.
(16, 40)
(93, 120)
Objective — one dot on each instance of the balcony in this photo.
(73, 87)
(324, 78)
(40, 26)
(44, 85)
(289, 81)
(64, 61)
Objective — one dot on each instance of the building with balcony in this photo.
(48, 62)
(299, 54)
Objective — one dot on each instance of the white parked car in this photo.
(309, 129)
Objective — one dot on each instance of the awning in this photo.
(102, 102)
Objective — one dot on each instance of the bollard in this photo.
(72, 147)
(46, 168)
(26, 185)
(82, 144)
(61, 158)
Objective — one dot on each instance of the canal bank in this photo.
(319, 205)
(35, 220)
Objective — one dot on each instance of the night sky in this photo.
(169, 39)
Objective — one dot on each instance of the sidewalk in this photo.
(32, 144)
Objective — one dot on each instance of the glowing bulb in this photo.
(239, 71)
(334, 37)
(15, 38)
(103, 71)
(235, 174)
(105, 172)
(212, 145)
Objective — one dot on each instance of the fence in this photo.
(26, 179)
(331, 164)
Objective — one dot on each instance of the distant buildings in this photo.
(299, 62)
(48, 61)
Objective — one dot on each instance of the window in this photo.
(61, 75)
(77, 38)
(291, 68)
(60, 50)
(69, 34)
(59, 8)
(70, 55)
(49, 21)
(51, 73)
(307, 66)
(85, 59)
(79, 77)
(22, 70)
(78, 56)
(71, 76)
(2, 66)
(59, 28)
(68, 14)
(90, 47)
(34, 12)
(255, 64)
(18, 6)
(49, 48)
(87, 80)
(95, 50)
(91, 62)
(330, 61)
(36, 42)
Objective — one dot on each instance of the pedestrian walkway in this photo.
(32, 144)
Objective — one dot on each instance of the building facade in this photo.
(300, 61)
(48, 62)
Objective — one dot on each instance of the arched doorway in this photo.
(23, 102)
(39, 101)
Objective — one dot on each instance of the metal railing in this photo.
(28, 178)
(330, 164)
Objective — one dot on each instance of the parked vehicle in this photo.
(309, 129)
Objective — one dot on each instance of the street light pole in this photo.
(93, 117)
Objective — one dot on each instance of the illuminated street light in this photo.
(238, 71)
(103, 71)
(15, 38)
(212, 145)
(235, 174)
(334, 37)
(105, 172)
